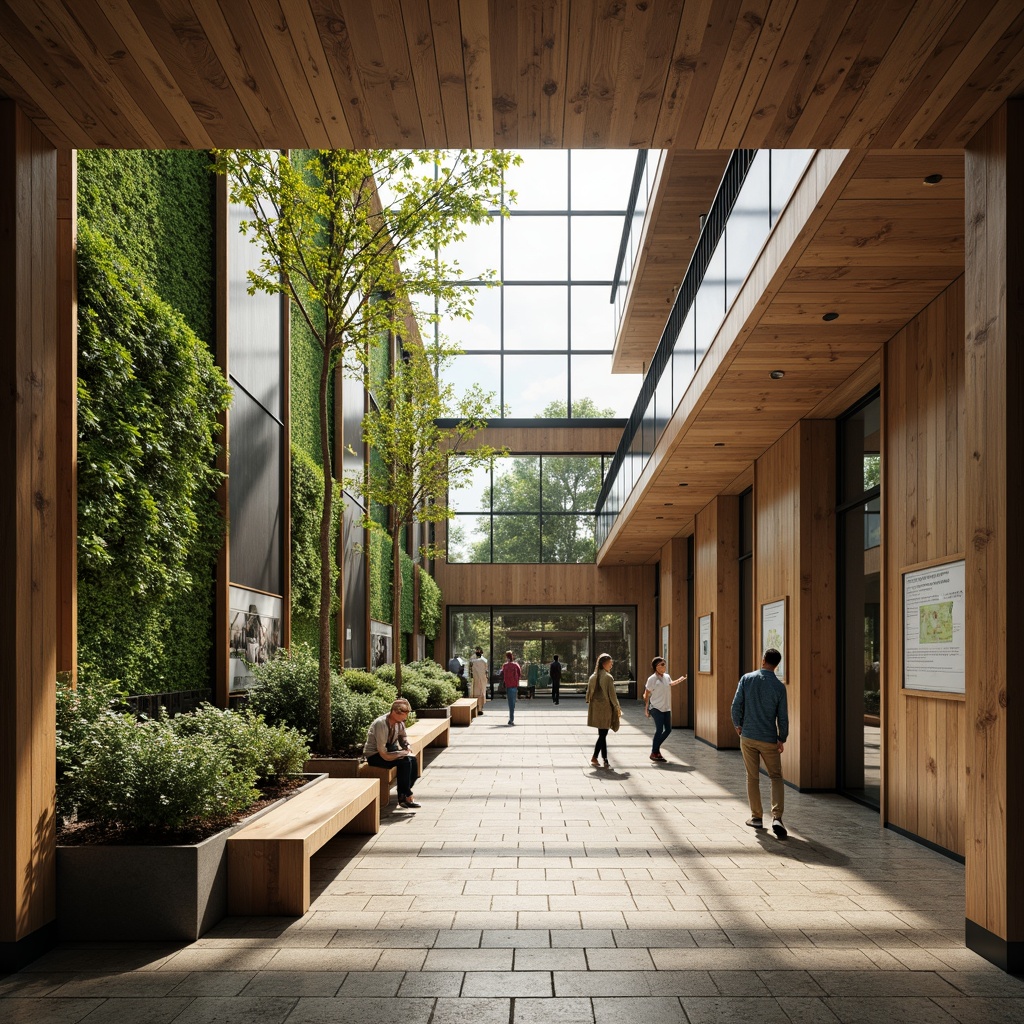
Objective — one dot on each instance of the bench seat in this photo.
(427, 732)
(464, 710)
(268, 861)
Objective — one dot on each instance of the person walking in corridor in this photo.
(603, 711)
(555, 674)
(658, 703)
(761, 718)
(478, 675)
(511, 673)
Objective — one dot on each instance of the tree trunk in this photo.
(396, 602)
(324, 740)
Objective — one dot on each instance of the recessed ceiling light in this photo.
(777, 374)
(684, 485)
(933, 179)
(659, 517)
(669, 504)
(719, 444)
(829, 317)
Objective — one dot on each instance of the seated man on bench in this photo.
(388, 747)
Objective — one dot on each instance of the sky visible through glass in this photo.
(542, 341)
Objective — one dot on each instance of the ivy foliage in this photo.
(149, 396)
(307, 508)
(430, 606)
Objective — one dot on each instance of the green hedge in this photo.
(149, 396)
(430, 606)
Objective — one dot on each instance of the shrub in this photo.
(415, 692)
(441, 693)
(351, 715)
(271, 751)
(366, 682)
(148, 775)
(77, 712)
(287, 691)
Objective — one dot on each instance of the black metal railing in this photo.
(627, 227)
(710, 235)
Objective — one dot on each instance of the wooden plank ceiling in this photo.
(885, 246)
(684, 190)
(682, 74)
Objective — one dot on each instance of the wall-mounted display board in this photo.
(381, 647)
(664, 643)
(773, 631)
(704, 643)
(933, 627)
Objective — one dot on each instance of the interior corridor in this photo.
(531, 888)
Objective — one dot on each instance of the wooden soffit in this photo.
(684, 189)
(863, 236)
(683, 74)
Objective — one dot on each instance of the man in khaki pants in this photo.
(761, 718)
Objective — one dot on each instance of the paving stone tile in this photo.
(293, 984)
(805, 1010)
(431, 983)
(791, 984)
(214, 983)
(130, 983)
(516, 938)
(458, 938)
(17, 1010)
(874, 984)
(739, 983)
(551, 960)
(681, 983)
(244, 1010)
(619, 960)
(601, 983)
(343, 958)
(583, 938)
(854, 1010)
(472, 1011)
(139, 1011)
(370, 984)
(468, 960)
(983, 1010)
(639, 1010)
(361, 1011)
(553, 1011)
(389, 938)
(498, 983)
(25, 986)
(222, 959)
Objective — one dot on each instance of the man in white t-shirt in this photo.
(658, 704)
(478, 676)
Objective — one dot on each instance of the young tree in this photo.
(420, 458)
(348, 236)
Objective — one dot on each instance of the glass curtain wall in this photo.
(535, 635)
(543, 339)
(743, 222)
(860, 624)
(527, 509)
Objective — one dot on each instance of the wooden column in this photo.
(717, 591)
(28, 536)
(675, 613)
(994, 380)
(67, 415)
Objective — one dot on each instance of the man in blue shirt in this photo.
(761, 718)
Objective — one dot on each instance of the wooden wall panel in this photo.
(994, 471)
(28, 535)
(923, 463)
(717, 590)
(795, 558)
(675, 613)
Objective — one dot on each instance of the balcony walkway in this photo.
(533, 889)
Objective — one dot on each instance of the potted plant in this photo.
(148, 807)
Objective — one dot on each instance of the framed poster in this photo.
(254, 633)
(773, 631)
(933, 627)
(704, 643)
(380, 644)
(664, 643)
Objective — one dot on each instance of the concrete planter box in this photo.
(335, 767)
(146, 893)
(444, 712)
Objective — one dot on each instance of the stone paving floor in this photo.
(533, 889)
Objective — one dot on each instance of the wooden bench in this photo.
(427, 732)
(268, 861)
(464, 710)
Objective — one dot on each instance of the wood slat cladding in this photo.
(717, 591)
(795, 558)
(925, 497)
(863, 236)
(536, 440)
(699, 74)
(994, 443)
(684, 190)
(28, 528)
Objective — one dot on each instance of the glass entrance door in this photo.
(860, 539)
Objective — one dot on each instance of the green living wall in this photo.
(149, 396)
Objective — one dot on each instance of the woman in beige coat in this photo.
(603, 711)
